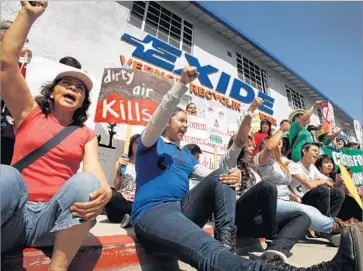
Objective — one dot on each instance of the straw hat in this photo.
(295, 112)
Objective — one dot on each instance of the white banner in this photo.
(358, 132)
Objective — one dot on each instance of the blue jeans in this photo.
(174, 228)
(26, 223)
(319, 222)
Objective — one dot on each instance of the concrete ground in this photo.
(304, 254)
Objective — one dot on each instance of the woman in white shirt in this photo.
(273, 168)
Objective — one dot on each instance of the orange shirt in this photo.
(47, 175)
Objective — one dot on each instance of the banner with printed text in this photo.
(351, 158)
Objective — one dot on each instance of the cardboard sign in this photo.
(129, 96)
(350, 185)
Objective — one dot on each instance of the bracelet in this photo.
(250, 114)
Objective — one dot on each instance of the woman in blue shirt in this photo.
(169, 219)
(166, 216)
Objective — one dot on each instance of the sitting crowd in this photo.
(275, 185)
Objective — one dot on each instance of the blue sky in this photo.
(320, 41)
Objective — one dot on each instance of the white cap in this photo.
(76, 73)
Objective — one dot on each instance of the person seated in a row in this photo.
(313, 188)
(119, 208)
(256, 214)
(196, 152)
(162, 200)
(276, 168)
(48, 200)
(349, 208)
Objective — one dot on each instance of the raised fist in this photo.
(255, 104)
(34, 8)
(285, 126)
(189, 74)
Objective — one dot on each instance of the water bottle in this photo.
(122, 168)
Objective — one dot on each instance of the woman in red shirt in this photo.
(48, 200)
(265, 131)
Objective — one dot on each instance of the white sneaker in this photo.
(255, 255)
(268, 255)
(125, 222)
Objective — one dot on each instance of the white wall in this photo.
(91, 32)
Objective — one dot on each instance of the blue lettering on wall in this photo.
(163, 55)
(268, 103)
(236, 92)
(223, 83)
(204, 71)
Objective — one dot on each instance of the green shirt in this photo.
(302, 135)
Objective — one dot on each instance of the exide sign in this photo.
(159, 53)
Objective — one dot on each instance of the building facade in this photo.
(162, 38)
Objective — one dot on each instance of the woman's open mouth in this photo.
(69, 98)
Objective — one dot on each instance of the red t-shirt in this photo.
(48, 174)
(258, 140)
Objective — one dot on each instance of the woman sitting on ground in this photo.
(162, 200)
(350, 208)
(256, 214)
(48, 201)
(119, 208)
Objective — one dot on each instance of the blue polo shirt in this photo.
(162, 175)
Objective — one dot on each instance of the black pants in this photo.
(256, 216)
(327, 200)
(349, 209)
(7, 150)
(117, 207)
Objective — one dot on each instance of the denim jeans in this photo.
(174, 228)
(25, 223)
(319, 222)
(327, 200)
(257, 217)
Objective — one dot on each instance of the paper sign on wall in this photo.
(358, 132)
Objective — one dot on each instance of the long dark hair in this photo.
(247, 177)
(319, 165)
(265, 121)
(47, 104)
(132, 141)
